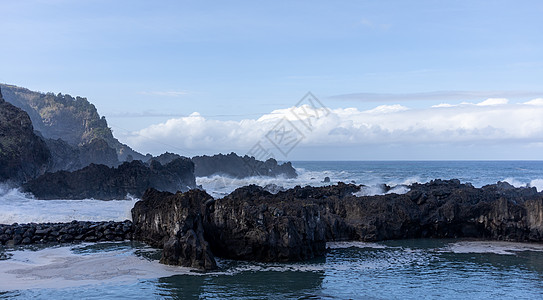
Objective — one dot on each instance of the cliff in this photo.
(23, 154)
(74, 120)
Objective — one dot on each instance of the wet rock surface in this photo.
(291, 225)
(174, 222)
(56, 233)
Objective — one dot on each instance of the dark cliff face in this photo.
(23, 155)
(253, 224)
(102, 182)
(240, 167)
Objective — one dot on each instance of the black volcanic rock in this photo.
(254, 224)
(174, 222)
(240, 167)
(23, 154)
(102, 182)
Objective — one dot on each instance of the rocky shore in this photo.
(54, 233)
(253, 224)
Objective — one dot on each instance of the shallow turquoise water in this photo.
(412, 269)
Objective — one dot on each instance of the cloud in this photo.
(537, 102)
(493, 101)
(492, 121)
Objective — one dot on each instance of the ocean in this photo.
(405, 269)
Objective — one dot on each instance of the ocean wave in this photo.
(537, 183)
(18, 207)
(219, 185)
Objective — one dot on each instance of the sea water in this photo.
(406, 269)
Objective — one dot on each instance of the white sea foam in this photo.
(354, 244)
(496, 247)
(220, 186)
(537, 183)
(399, 189)
(374, 190)
(60, 267)
(17, 207)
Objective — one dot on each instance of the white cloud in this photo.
(384, 109)
(443, 105)
(493, 121)
(493, 101)
(538, 102)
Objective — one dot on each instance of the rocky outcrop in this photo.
(102, 182)
(73, 232)
(254, 224)
(175, 223)
(23, 154)
(240, 167)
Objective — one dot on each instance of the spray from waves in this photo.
(18, 207)
(537, 183)
(219, 186)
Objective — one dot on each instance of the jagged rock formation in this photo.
(23, 155)
(174, 223)
(253, 224)
(74, 120)
(240, 167)
(102, 182)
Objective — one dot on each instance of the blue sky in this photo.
(143, 63)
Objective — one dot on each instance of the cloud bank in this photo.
(492, 122)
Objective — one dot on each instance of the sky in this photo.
(389, 80)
